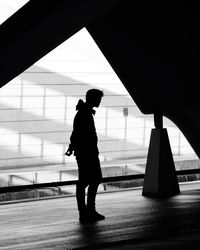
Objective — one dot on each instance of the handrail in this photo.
(10, 189)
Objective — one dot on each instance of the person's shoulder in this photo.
(81, 113)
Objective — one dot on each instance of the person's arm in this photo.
(70, 150)
(73, 141)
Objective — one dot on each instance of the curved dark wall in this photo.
(153, 47)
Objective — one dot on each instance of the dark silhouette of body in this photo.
(83, 143)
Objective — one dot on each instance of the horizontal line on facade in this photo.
(84, 84)
(39, 120)
(69, 72)
(46, 132)
(64, 60)
(71, 107)
(69, 131)
(121, 140)
(39, 144)
(42, 157)
(141, 127)
(46, 156)
(60, 95)
(123, 128)
(125, 150)
(100, 129)
(35, 132)
(28, 157)
(119, 106)
(55, 120)
(66, 143)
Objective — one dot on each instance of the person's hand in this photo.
(69, 152)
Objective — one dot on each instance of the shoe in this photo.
(96, 216)
(91, 217)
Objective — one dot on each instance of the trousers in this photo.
(90, 176)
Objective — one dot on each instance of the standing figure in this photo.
(83, 143)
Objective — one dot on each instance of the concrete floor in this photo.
(132, 222)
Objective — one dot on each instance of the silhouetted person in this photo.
(83, 143)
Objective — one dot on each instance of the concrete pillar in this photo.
(160, 175)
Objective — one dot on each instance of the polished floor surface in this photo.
(132, 222)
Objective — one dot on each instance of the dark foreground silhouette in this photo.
(83, 143)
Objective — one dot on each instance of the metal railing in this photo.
(10, 189)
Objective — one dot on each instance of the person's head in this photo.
(93, 97)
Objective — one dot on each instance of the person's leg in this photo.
(80, 196)
(91, 198)
(80, 189)
(89, 174)
(96, 178)
(91, 195)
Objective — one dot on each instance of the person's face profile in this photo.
(94, 101)
(98, 101)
